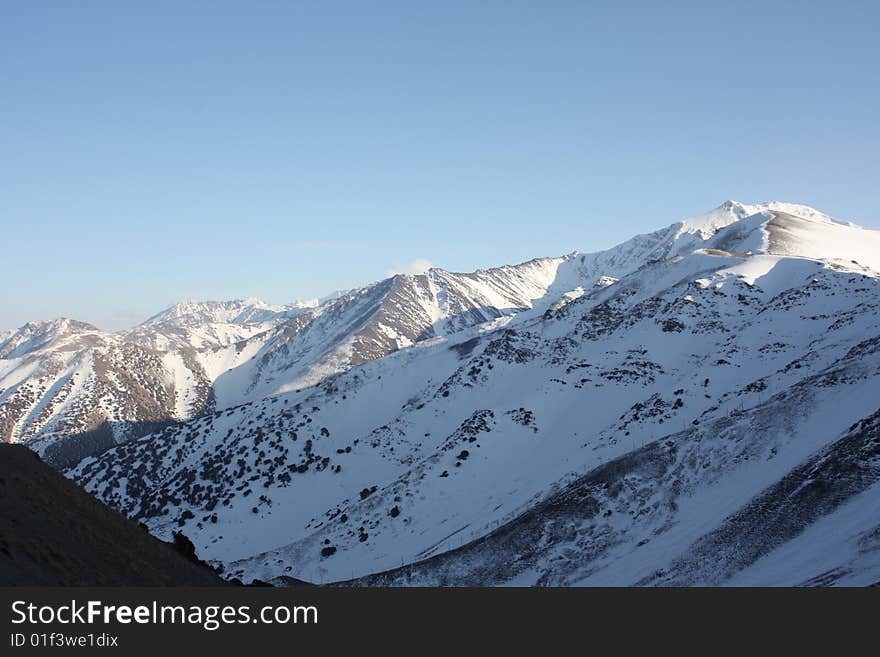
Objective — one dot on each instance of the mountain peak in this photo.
(37, 335)
(237, 311)
(707, 224)
(56, 325)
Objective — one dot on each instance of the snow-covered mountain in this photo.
(68, 389)
(696, 405)
(65, 381)
(240, 311)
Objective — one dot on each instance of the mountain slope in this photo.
(621, 523)
(68, 382)
(54, 534)
(672, 380)
(63, 378)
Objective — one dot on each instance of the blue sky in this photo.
(162, 150)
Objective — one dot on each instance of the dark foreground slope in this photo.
(54, 533)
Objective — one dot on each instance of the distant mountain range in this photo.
(696, 405)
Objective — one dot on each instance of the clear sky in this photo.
(160, 150)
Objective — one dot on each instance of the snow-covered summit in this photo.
(729, 212)
(38, 335)
(707, 224)
(238, 311)
(773, 228)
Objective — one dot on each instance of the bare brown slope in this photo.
(52, 533)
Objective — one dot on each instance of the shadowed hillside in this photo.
(54, 533)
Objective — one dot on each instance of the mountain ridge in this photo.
(737, 362)
(201, 356)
